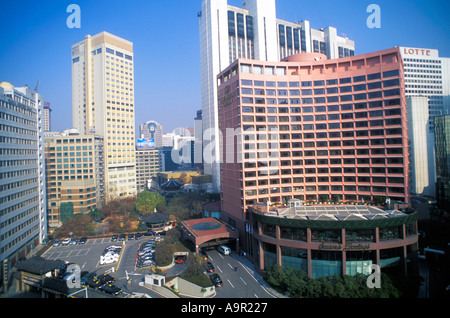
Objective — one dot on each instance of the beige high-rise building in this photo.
(74, 178)
(103, 104)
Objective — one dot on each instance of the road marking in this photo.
(243, 280)
(219, 269)
(230, 266)
(230, 283)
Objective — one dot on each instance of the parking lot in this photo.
(87, 257)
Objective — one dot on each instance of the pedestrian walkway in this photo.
(251, 269)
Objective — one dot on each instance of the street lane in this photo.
(237, 281)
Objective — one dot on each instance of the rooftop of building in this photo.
(329, 212)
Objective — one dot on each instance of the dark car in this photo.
(130, 237)
(86, 277)
(215, 278)
(149, 233)
(209, 267)
(105, 279)
(114, 238)
(92, 282)
(82, 240)
(122, 237)
(138, 236)
(110, 289)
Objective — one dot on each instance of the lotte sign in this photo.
(419, 52)
(423, 52)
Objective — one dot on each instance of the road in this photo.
(236, 283)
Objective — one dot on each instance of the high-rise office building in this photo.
(427, 75)
(313, 129)
(153, 131)
(47, 117)
(252, 32)
(198, 143)
(23, 210)
(103, 104)
(74, 175)
(422, 172)
(442, 133)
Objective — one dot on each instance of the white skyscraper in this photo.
(426, 75)
(103, 104)
(23, 207)
(419, 136)
(253, 32)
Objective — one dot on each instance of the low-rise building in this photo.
(324, 240)
(147, 166)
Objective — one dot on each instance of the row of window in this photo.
(321, 100)
(335, 236)
(275, 171)
(320, 91)
(319, 109)
(281, 70)
(320, 117)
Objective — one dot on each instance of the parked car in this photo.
(74, 241)
(209, 267)
(145, 263)
(114, 238)
(57, 243)
(105, 279)
(130, 237)
(138, 236)
(82, 240)
(110, 289)
(215, 278)
(66, 241)
(92, 282)
(86, 277)
(142, 253)
(122, 237)
(149, 233)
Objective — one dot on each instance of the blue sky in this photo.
(35, 44)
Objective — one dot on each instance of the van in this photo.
(225, 250)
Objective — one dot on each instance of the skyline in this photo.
(166, 45)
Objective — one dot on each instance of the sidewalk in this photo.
(249, 267)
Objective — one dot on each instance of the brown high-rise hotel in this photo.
(313, 129)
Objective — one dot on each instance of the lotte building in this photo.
(314, 130)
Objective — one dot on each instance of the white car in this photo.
(66, 241)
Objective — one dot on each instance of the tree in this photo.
(147, 202)
(194, 265)
(298, 284)
(78, 225)
(164, 253)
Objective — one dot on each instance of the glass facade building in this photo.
(341, 240)
(442, 144)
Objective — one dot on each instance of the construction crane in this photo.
(36, 88)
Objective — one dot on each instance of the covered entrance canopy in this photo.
(209, 231)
